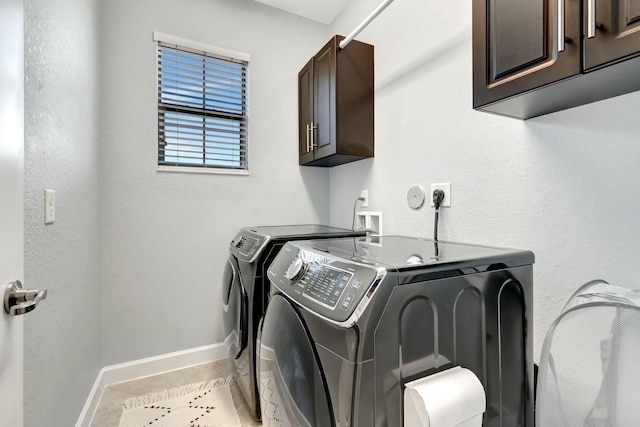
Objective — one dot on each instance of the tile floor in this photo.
(110, 406)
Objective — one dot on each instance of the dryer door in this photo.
(293, 390)
(234, 305)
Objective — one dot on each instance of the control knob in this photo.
(296, 270)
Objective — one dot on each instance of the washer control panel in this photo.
(326, 285)
(330, 287)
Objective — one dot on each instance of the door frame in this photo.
(12, 205)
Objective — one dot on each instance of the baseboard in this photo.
(141, 368)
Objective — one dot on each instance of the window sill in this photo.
(215, 171)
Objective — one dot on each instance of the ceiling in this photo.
(323, 11)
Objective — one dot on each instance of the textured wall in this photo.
(62, 337)
(165, 235)
(564, 185)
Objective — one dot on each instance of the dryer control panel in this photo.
(247, 246)
(330, 287)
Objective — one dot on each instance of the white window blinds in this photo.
(202, 109)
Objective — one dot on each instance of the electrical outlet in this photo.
(365, 195)
(446, 187)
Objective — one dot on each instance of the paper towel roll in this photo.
(454, 397)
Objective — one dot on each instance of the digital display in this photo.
(326, 284)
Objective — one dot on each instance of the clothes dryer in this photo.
(245, 290)
(351, 321)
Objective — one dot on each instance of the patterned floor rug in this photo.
(203, 404)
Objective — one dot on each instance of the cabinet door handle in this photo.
(561, 25)
(308, 128)
(591, 19)
(313, 144)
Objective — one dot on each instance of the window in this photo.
(202, 107)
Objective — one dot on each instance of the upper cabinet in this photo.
(335, 105)
(531, 57)
(612, 31)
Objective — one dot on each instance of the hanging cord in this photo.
(438, 197)
(353, 220)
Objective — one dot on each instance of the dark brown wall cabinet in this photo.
(532, 57)
(335, 105)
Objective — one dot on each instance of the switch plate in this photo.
(446, 187)
(49, 206)
(365, 195)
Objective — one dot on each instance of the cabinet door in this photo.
(516, 46)
(615, 27)
(324, 101)
(305, 113)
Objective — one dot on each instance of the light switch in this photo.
(49, 206)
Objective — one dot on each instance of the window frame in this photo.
(224, 54)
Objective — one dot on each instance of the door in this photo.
(11, 203)
(235, 311)
(324, 101)
(305, 113)
(293, 391)
(519, 45)
(317, 106)
(612, 31)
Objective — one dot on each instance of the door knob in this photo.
(18, 300)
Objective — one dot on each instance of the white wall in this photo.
(165, 235)
(62, 353)
(563, 185)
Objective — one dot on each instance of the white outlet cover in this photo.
(446, 187)
(365, 195)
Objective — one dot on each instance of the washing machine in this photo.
(351, 321)
(245, 291)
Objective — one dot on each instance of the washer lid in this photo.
(402, 252)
